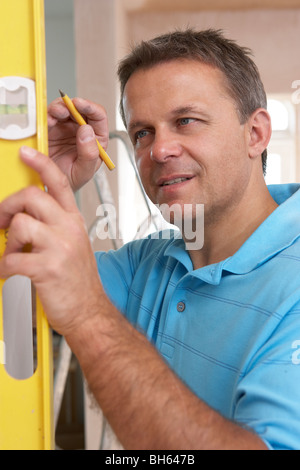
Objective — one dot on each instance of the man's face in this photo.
(189, 144)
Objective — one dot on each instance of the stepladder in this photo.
(26, 397)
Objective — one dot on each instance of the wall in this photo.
(60, 48)
(274, 37)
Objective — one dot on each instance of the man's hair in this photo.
(243, 80)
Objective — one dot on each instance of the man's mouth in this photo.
(175, 181)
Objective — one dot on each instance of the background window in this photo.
(281, 163)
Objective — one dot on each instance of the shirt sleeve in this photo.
(268, 395)
(117, 270)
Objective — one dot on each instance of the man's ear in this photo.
(260, 131)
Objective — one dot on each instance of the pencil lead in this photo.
(62, 94)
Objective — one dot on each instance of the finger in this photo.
(62, 134)
(93, 113)
(88, 160)
(96, 116)
(25, 230)
(32, 201)
(24, 264)
(57, 183)
(58, 111)
(87, 147)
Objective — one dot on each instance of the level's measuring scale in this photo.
(26, 415)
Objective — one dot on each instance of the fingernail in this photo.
(87, 134)
(28, 151)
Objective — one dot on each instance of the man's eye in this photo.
(140, 134)
(186, 121)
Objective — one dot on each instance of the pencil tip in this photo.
(61, 93)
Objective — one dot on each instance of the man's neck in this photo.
(223, 238)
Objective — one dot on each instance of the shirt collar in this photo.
(276, 233)
(176, 249)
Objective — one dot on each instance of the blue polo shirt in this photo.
(231, 330)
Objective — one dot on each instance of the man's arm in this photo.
(146, 404)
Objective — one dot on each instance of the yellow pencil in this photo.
(79, 119)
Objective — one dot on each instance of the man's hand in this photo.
(72, 147)
(61, 263)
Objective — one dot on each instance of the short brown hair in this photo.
(210, 47)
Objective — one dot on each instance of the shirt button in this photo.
(180, 306)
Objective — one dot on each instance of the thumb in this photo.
(87, 148)
(88, 160)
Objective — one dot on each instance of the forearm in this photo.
(145, 403)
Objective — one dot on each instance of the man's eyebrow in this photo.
(135, 125)
(188, 109)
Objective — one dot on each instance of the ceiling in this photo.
(196, 5)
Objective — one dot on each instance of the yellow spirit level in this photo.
(26, 415)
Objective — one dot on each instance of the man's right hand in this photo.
(72, 147)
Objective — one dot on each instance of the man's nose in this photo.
(164, 146)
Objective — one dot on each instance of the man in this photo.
(205, 360)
